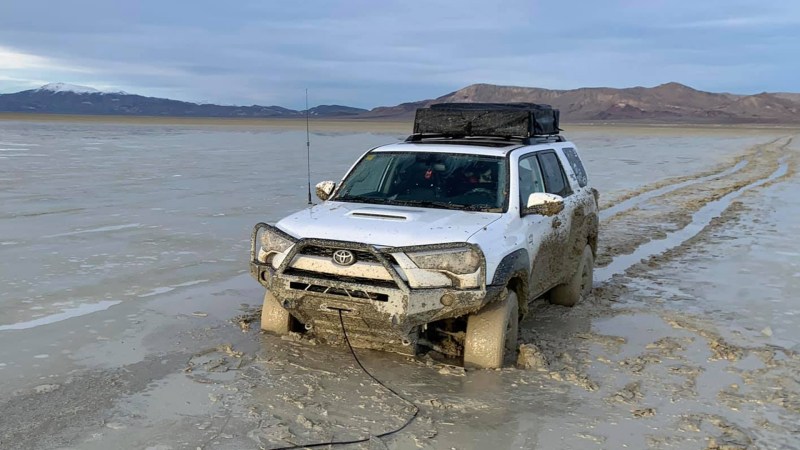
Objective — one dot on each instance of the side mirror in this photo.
(544, 204)
(325, 189)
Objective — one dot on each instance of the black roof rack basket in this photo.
(521, 120)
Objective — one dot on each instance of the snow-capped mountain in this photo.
(76, 89)
(63, 98)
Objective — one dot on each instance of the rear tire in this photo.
(579, 285)
(492, 333)
(274, 318)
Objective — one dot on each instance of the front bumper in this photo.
(378, 313)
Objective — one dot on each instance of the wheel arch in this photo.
(513, 273)
(592, 234)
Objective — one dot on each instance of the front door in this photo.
(539, 230)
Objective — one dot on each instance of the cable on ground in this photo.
(358, 441)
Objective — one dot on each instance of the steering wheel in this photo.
(480, 191)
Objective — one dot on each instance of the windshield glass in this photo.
(433, 180)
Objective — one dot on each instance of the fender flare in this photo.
(515, 265)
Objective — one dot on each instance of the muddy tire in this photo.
(579, 285)
(491, 339)
(274, 318)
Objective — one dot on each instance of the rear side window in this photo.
(554, 180)
(577, 166)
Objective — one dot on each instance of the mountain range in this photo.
(61, 98)
(666, 103)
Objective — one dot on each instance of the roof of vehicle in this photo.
(470, 146)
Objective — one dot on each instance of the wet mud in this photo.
(646, 361)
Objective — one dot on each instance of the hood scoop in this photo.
(381, 214)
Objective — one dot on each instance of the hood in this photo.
(385, 225)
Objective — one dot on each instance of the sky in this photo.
(369, 53)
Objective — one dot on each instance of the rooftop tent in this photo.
(487, 119)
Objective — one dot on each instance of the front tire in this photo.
(492, 334)
(579, 285)
(274, 318)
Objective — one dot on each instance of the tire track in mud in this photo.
(632, 197)
(699, 221)
(644, 196)
(691, 202)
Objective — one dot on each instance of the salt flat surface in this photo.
(114, 211)
(123, 262)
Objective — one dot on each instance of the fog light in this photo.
(447, 299)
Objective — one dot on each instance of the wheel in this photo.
(492, 334)
(274, 318)
(579, 285)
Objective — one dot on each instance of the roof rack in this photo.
(503, 120)
(439, 138)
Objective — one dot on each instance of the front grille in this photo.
(341, 278)
(327, 252)
(351, 293)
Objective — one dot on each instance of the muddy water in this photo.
(122, 265)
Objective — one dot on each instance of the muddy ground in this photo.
(689, 341)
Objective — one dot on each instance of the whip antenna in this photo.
(308, 151)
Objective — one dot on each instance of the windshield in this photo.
(434, 180)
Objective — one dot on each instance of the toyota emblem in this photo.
(344, 257)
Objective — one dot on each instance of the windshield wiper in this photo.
(357, 199)
(430, 203)
(456, 206)
(483, 208)
(418, 203)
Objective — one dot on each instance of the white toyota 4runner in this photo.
(438, 242)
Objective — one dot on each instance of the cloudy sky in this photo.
(370, 53)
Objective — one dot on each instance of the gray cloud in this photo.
(367, 53)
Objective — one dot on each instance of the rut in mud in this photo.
(659, 215)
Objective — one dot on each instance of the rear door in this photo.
(583, 203)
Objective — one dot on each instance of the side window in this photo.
(530, 179)
(554, 180)
(577, 166)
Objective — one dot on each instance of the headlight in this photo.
(461, 260)
(272, 243)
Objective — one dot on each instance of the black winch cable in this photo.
(358, 441)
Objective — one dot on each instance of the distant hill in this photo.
(670, 102)
(333, 111)
(61, 98)
(788, 96)
(666, 103)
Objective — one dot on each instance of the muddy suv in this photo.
(438, 242)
